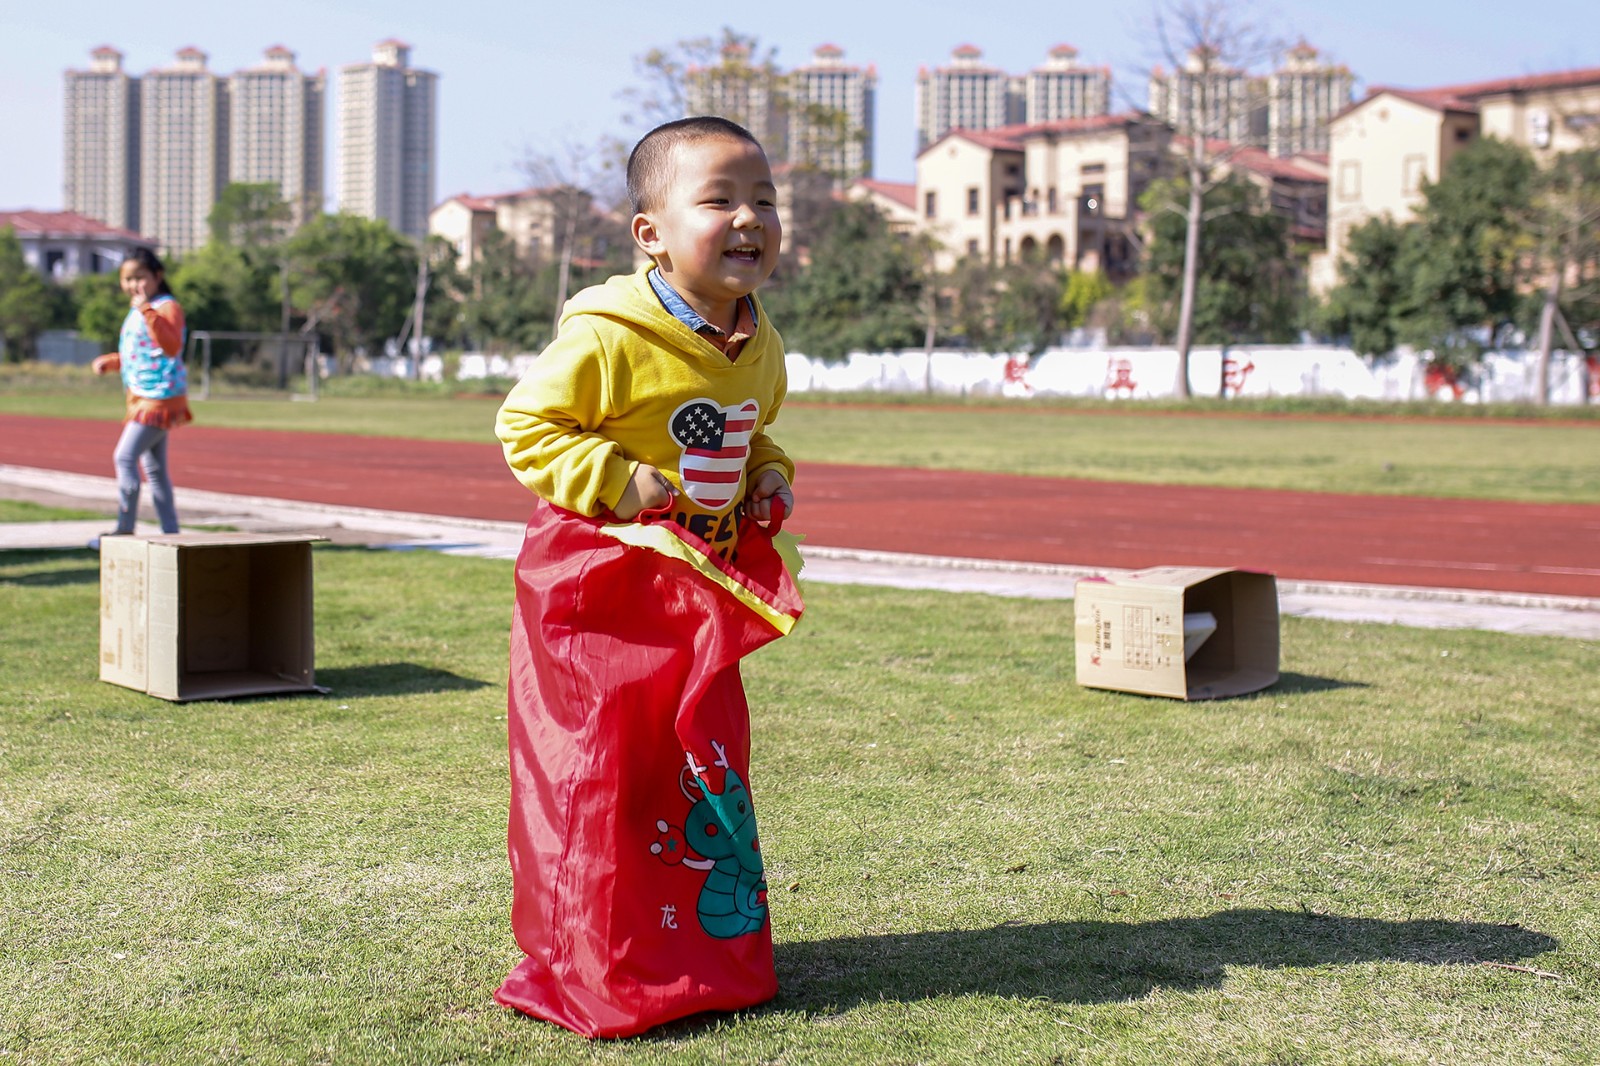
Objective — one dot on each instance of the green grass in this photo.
(1307, 446)
(26, 511)
(971, 858)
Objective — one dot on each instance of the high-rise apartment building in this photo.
(275, 128)
(1062, 89)
(968, 94)
(183, 126)
(1209, 98)
(388, 139)
(100, 178)
(1303, 94)
(740, 91)
(833, 114)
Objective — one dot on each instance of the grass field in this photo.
(1328, 448)
(1393, 856)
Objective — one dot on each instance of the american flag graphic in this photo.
(716, 443)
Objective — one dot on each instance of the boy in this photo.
(638, 887)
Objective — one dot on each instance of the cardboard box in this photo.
(194, 616)
(1130, 632)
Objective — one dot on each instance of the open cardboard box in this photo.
(192, 616)
(1130, 632)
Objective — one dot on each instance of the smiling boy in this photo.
(650, 370)
(638, 885)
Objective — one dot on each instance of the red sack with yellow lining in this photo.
(639, 893)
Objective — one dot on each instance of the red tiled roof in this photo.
(64, 224)
(1464, 98)
(1092, 124)
(1258, 160)
(903, 193)
(1013, 138)
(1271, 166)
(470, 202)
(1432, 99)
(1561, 79)
(1002, 139)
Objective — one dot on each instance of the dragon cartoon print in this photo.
(718, 837)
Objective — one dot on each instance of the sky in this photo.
(519, 80)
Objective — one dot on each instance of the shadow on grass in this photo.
(1093, 962)
(1292, 684)
(19, 567)
(393, 679)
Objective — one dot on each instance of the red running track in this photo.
(1389, 540)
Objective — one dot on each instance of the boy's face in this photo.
(715, 232)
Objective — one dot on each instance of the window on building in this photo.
(1349, 180)
(1092, 168)
(1412, 169)
(1050, 200)
(972, 200)
(930, 205)
(972, 247)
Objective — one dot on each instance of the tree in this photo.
(26, 307)
(249, 216)
(1364, 305)
(101, 306)
(575, 178)
(737, 78)
(1006, 307)
(1245, 286)
(503, 309)
(1468, 254)
(355, 279)
(221, 287)
(725, 67)
(1084, 290)
(1566, 224)
(1212, 44)
(861, 290)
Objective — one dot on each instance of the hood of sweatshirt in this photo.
(628, 298)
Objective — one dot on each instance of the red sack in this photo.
(638, 887)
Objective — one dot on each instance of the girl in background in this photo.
(150, 356)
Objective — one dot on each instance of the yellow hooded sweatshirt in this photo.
(625, 382)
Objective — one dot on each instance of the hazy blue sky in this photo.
(521, 77)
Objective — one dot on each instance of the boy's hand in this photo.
(770, 484)
(647, 490)
(104, 364)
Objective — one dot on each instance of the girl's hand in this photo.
(144, 290)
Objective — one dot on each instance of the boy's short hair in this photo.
(650, 162)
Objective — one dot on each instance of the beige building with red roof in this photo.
(1066, 190)
(1384, 149)
(896, 201)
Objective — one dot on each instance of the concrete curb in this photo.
(1435, 608)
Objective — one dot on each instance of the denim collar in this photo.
(679, 308)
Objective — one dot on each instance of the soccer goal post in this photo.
(288, 362)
